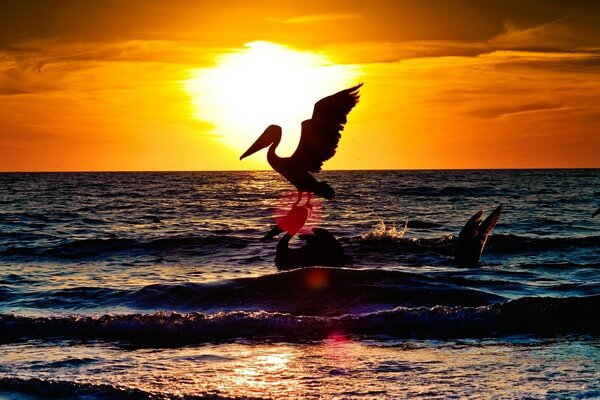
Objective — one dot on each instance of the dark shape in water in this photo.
(318, 143)
(321, 248)
(473, 236)
(596, 213)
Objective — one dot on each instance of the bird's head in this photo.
(271, 135)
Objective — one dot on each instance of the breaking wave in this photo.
(538, 316)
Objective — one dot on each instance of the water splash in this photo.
(381, 231)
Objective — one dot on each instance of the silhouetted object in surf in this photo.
(318, 143)
(473, 236)
(596, 213)
(292, 222)
(321, 249)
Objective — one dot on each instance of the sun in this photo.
(264, 83)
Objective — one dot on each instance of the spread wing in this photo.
(488, 224)
(321, 134)
(473, 236)
(471, 228)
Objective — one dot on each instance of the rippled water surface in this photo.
(151, 285)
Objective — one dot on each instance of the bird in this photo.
(318, 143)
(596, 213)
(321, 248)
(473, 237)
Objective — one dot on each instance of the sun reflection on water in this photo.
(332, 368)
(265, 374)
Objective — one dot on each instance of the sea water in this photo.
(158, 285)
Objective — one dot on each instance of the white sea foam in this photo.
(381, 231)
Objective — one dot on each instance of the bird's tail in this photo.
(325, 191)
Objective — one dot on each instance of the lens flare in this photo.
(285, 204)
(337, 337)
(317, 279)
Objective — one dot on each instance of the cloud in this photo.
(48, 65)
(318, 18)
(217, 23)
(37, 53)
(577, 30)
(574, 62)
(512, 110)
(24, 135)
(569, 29)
(391, 52)
(15, 81)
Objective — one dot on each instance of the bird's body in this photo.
(292, 169)
(321, 249)
(318, 142)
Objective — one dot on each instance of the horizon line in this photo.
(327, 170)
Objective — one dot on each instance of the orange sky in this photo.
(105, 85)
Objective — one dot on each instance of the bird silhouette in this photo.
(318, 142)
(473, 237)
(321, 248)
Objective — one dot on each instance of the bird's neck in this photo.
(271, 155)
(283, 243)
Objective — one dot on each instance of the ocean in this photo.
(158, 286)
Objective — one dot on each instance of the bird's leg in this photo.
(299, 198)
(308, 204)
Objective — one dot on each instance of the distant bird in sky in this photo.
(321, 248)
(596, 213)
(473, 237)
(318, 143)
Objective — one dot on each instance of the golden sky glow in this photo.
(264, 84)
(188, 85)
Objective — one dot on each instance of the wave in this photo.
(316, 291)
(539, 316)
(61, 389)
(89, 248)
(380, 239)
(381, 248)
(65, 389)
(429, 191)
(422, 224)
(307, 291)
(507, 243)
(498, 243)
(559, 265)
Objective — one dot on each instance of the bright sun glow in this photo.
(263, 84)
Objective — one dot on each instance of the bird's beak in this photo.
(263, 141)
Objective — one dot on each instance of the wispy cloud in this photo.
(512, 110)
(318, 18)
(36, 53)
(52, 65)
